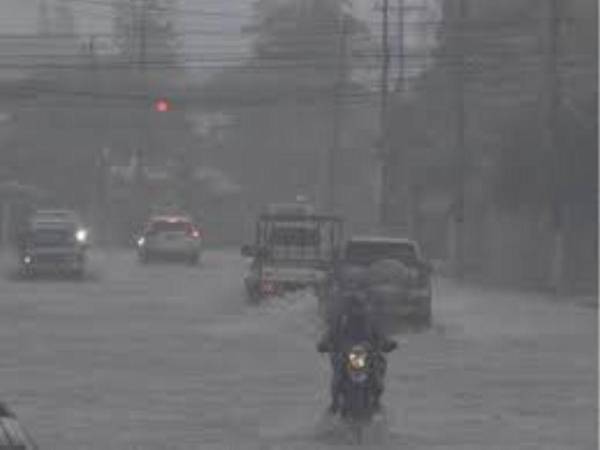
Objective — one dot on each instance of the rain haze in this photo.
(298, 224)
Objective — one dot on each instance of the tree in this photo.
(145, 32)
(146, 37)
(507, 167)
(283, 98)
(100, 101)
(503, 76)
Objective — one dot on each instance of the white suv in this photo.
(170, 237)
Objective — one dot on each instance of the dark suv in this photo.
(53, 240)
(408, 297)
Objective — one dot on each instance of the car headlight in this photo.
(81, 236)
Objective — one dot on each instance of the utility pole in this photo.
(457, 28)
(98, 202)
(140, 10)
(399, 198)
(386, 169)
(401, 185)
(551, 104)
(44, 26)
(143, 17)
(401, 56)
(337, 113)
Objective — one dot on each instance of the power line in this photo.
(215, 104)
(294, 55)
(301, 53)
(332, 22)
(147, 97)
(332, 31)
(151, 8)
(274, 64)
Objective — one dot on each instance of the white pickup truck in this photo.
(292, 251)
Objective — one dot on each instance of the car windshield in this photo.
(54, 215)
(294, 236)
(51, 236)
(297, 245)
(365, 253)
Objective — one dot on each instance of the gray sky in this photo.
(18, 16)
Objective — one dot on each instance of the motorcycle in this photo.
(357, 394)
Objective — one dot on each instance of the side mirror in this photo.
(248, 251)
(389, 346)
(322, 347)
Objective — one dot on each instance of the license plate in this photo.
(358, 377)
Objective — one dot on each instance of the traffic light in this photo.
(162, 105)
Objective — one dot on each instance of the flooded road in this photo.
(171, 357)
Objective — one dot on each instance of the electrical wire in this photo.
(236, 14)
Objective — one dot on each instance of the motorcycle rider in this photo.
(350, 323)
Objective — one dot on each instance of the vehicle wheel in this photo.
(322, 308)
(357, 432)
(78, 274)
(423, 320)
(428, 315)
(253, 296)
(194, 260)
(27, 273)
(144, 258)
(426, 321)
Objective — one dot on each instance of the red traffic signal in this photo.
(162, 105)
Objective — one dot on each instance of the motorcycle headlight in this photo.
(357, 360)
(81, 236)
(141, 241)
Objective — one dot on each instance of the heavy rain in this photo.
(298, 224)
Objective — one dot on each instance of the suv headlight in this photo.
(81, 236)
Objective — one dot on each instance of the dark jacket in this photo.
(347, 327)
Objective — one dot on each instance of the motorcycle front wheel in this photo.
(357, 405)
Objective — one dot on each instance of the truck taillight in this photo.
(268, 287)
